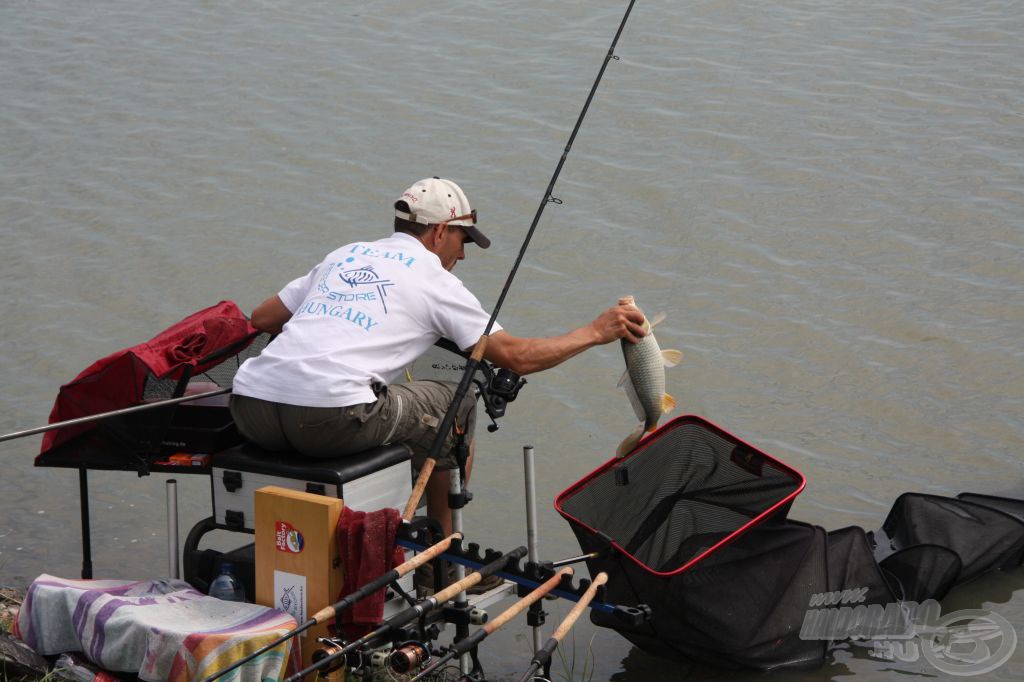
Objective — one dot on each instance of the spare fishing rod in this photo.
(333, 611)
(113, 413)
(412, 613)
(543, 656)
(478, 350)
(399, 664)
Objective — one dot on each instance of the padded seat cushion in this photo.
(251, 458)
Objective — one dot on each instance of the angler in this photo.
(326, 388)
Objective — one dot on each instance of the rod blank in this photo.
(113, 413)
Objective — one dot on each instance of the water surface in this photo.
(825, 198)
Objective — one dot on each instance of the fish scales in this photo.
(646, 371)
(644, 379)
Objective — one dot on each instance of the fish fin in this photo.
(671, 357)
(668, 403)
(623, 379)
(656, 320)
(634, 401)
(626, 446)
(408, 375)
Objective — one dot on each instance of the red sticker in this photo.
(287, 538)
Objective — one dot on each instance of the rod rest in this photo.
(528, 576)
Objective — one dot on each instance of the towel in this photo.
(158, 629)
(366, 541)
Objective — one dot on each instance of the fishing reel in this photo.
(502, 387)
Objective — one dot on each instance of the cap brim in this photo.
(476, 236)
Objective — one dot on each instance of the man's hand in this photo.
(620, 322)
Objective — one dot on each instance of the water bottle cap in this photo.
(226, 567)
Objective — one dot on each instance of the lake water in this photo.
(825, 198)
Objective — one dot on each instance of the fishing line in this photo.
(548, 198)
(478, 350)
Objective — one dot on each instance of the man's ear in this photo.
(439, 234)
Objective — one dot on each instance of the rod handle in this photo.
(479, 348)
(455, 588)
(328, 612)
(476, 576)
(428, 465)
(527, 601)
(417, 491)
(581, 605)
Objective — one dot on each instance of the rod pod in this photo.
(413, 612)
(334, 610)
(465, 645)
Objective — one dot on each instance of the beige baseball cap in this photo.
(434, 200)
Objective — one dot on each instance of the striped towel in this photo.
(159, 629)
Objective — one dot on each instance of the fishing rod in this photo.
(465, 645)
(481, 345)
(412, 613)
(334, 610)
(543, 656)
(113, 413)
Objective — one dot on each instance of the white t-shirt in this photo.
(358, 318)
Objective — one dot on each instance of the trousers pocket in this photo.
(396, 419)
(323, 417)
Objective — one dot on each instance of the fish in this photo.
(644, 380)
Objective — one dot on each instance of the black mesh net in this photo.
(687, 490)
(693, 524)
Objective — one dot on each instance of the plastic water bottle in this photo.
(226, 586)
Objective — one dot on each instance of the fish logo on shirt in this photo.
(363, 275)
(366, 275)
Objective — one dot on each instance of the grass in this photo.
(586, 673)
(10, 601)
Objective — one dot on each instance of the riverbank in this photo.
(17, 661)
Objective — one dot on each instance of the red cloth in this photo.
(366, 542)
(117, 380)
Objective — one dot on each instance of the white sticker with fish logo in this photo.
(290, 594)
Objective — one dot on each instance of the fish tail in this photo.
(626, 446)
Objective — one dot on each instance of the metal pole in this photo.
(113, 413)
(461, 631)
(172, 529)
(530, 476)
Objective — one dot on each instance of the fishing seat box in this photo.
(374, 479)
(367, 481)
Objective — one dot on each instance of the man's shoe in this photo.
(424, 581)
(488, 583)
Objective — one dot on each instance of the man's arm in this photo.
(271, 315)
(527, 355)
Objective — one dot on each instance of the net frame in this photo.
(751, 459)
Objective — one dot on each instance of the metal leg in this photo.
(83, 501)
(530, 475)
(461, 631)
(172, 530)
